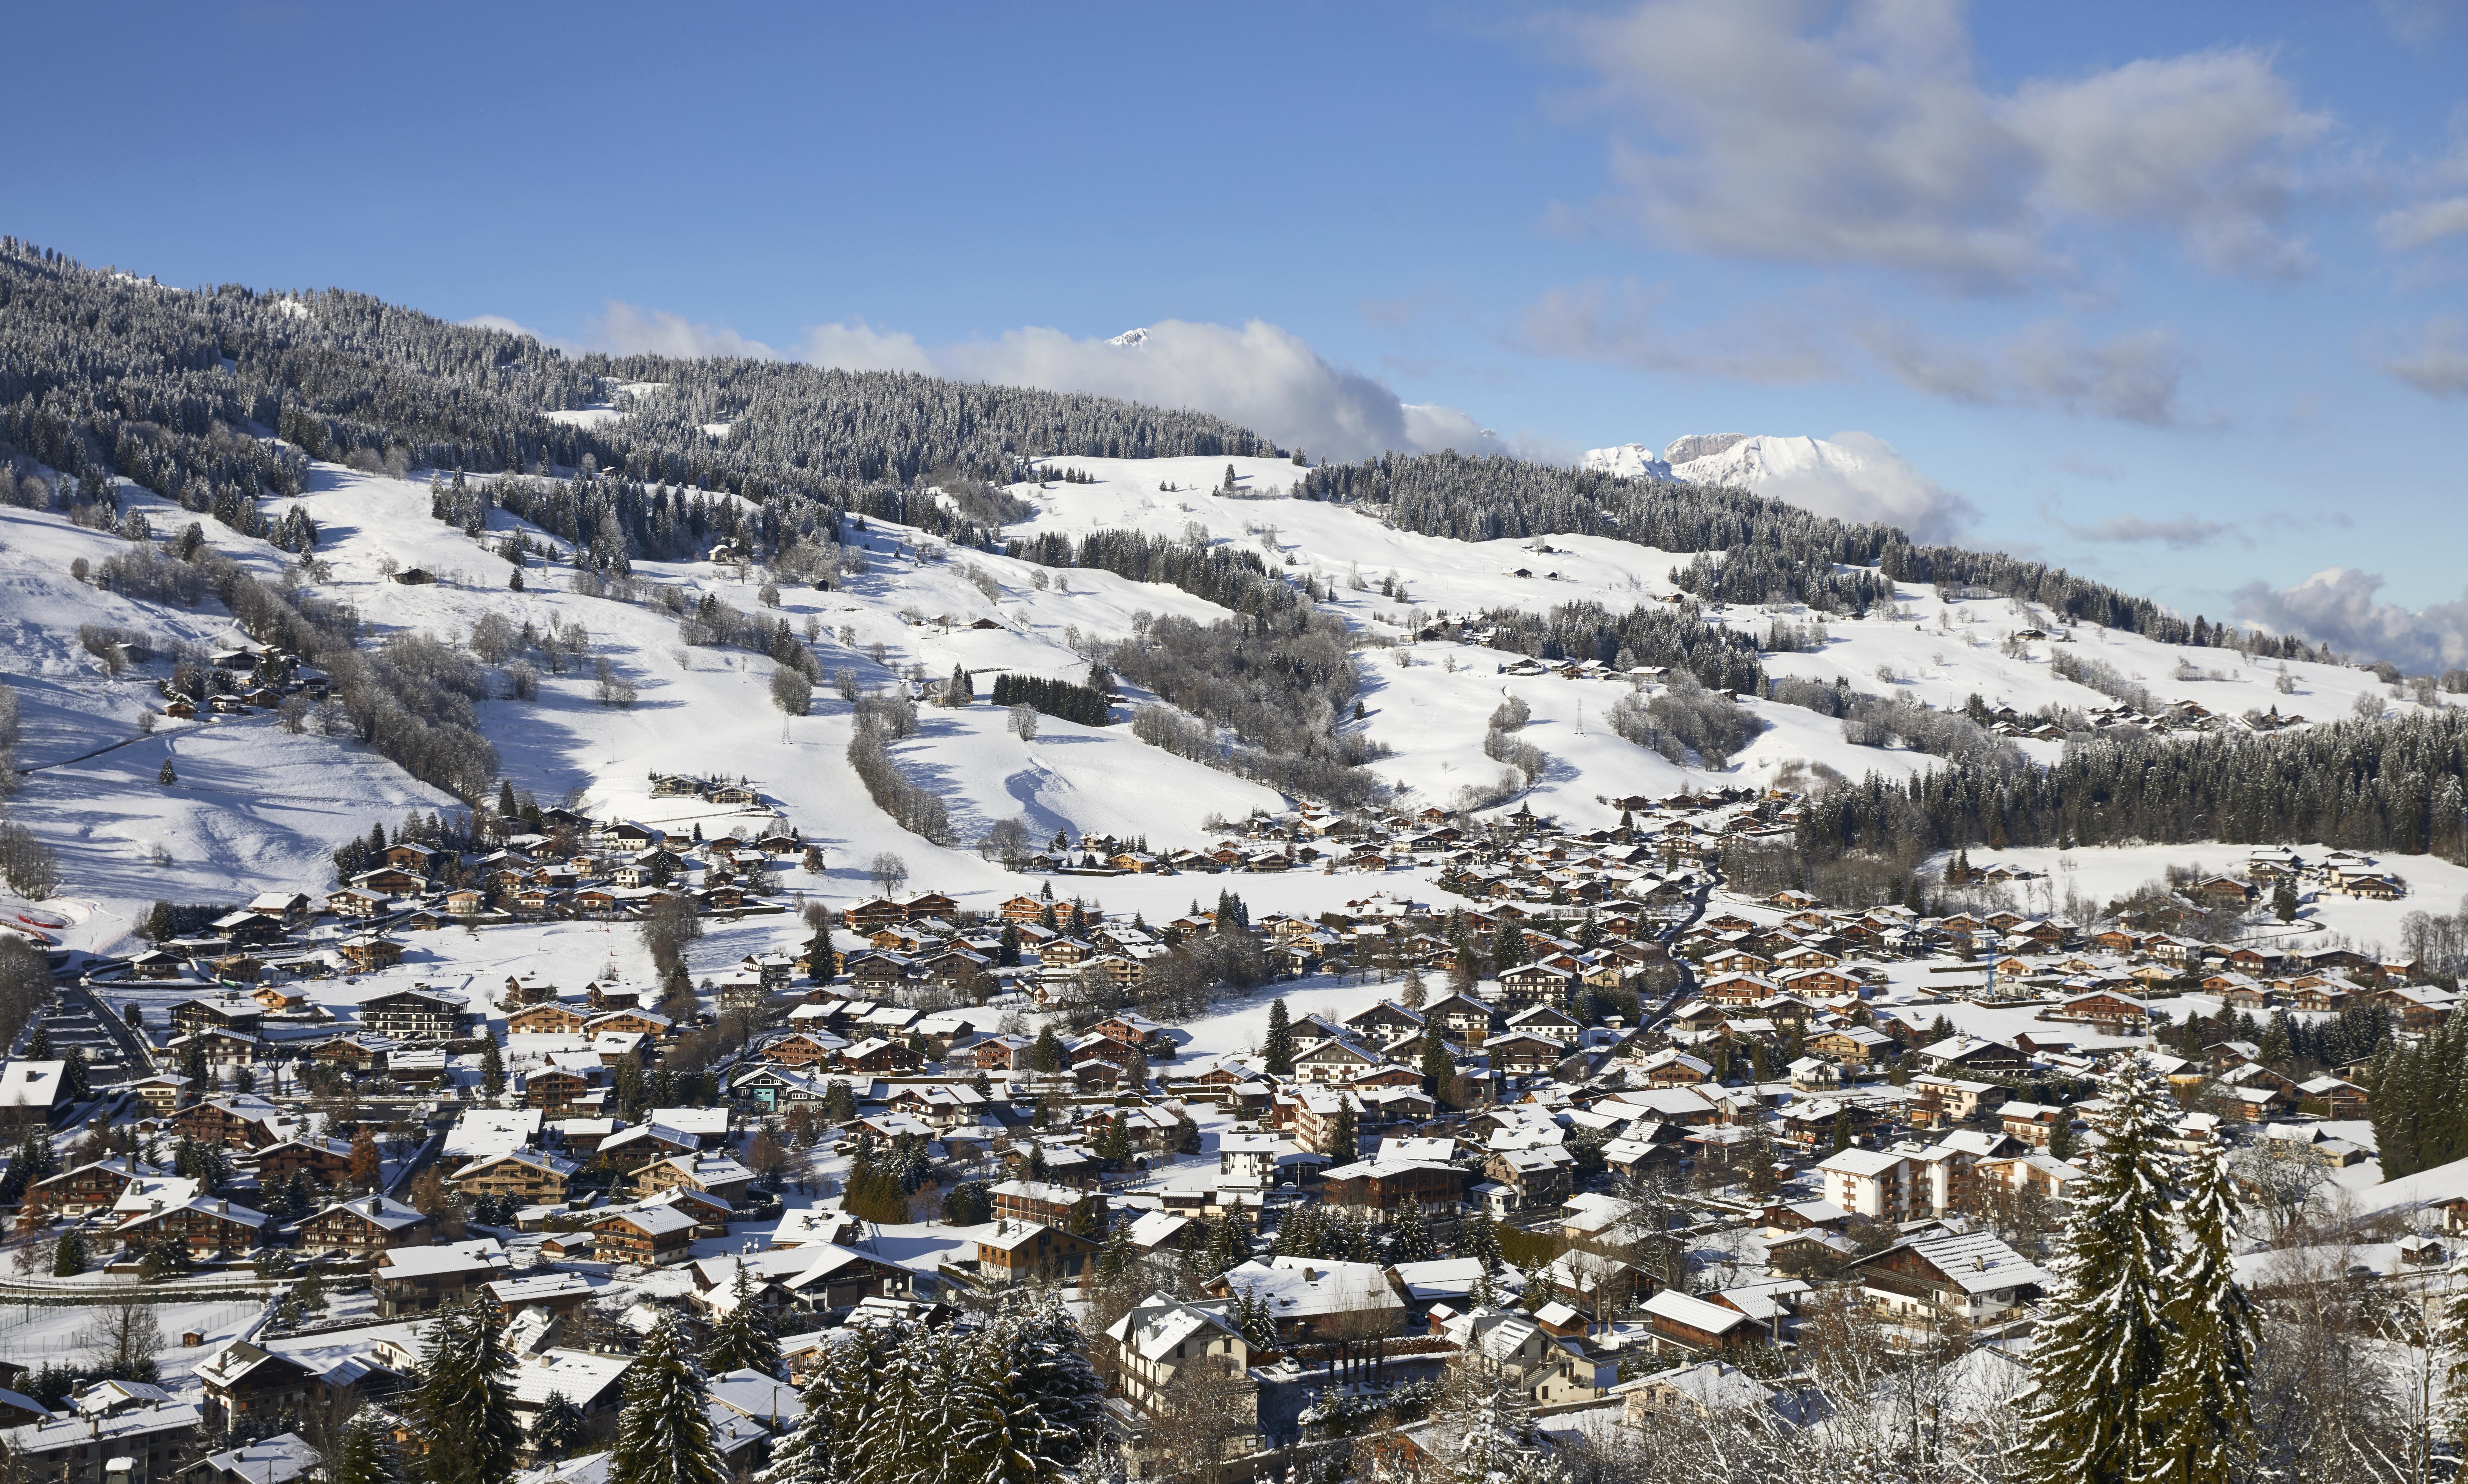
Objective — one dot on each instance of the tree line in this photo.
(2391, 785)
(1750, 548)
(1065, 699)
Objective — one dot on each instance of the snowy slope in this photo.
(256, 809)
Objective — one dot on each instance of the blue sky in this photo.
(2173, 294)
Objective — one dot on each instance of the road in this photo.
(110, 1045)
(1687, 986)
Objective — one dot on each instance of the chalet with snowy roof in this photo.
(417, 1280)
(363, 1226)
(209, 1227)
(644, 1236)
(1018, 1251)
(1971, 1276)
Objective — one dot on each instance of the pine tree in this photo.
(559, 1429)
(1344, 1143)
(996, 1436)
(1046, 1356)
(1438, 1067)
(492, 1070)
(1047, 1056)
(745, 1338)
(1409, 1240)
(663, 1434)
(2102, 1355)
(1229, 1242)
(1277, 1047)
(1479, 1238)
(39, 1046)
(820, 1447)
(167, 776)
(69, 1259)
(465, 1404)
(2209, 1370)
(363, 1454)
(1113, 1142)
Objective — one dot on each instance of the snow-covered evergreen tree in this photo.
(745, 1338)
(2102, 1353)
(363, 1454)
(1043, 1359)
(1409, 1240)
(664, 1435)
(465, 1404)
(819, 1449)
(2208, 1368)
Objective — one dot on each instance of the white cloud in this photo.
(1869, 141)
(500, 322)
(2134, 378)
(2182, 533)
(1852, 476)
(1259, 377)
(2438, 366)
(860, 346)
(2337, 606)
(2411, 227)
(623, 329)
(1601, 323)
(2202, 146)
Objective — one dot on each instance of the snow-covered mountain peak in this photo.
(1628, 461)
(1851, 475)
(1132, 337)
(1701, 446)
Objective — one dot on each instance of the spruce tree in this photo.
(819, 1449)
(1409, 1240)
(1277, 1047)
(39, 1046)
(559, 1429)
(2103, 1353)
(465, 1404)
(1046, 1357)
(363, 1454)
(1344, 1143)
(69, 1259)
(745, 1338)
(1438, 1067)
(663, 1433)
(492, 1070)
(2214, 1334)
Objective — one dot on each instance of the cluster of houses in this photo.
(573, 869)
(238, 681)
(1593, 1021)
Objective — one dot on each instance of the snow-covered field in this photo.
(255, 808)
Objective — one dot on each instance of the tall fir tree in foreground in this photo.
(819, 1450)
(465, 1404)
(663, 1432)
(2094, 1418)
(2208, 1375)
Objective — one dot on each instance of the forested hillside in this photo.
(1770, 551)
(101, 372)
